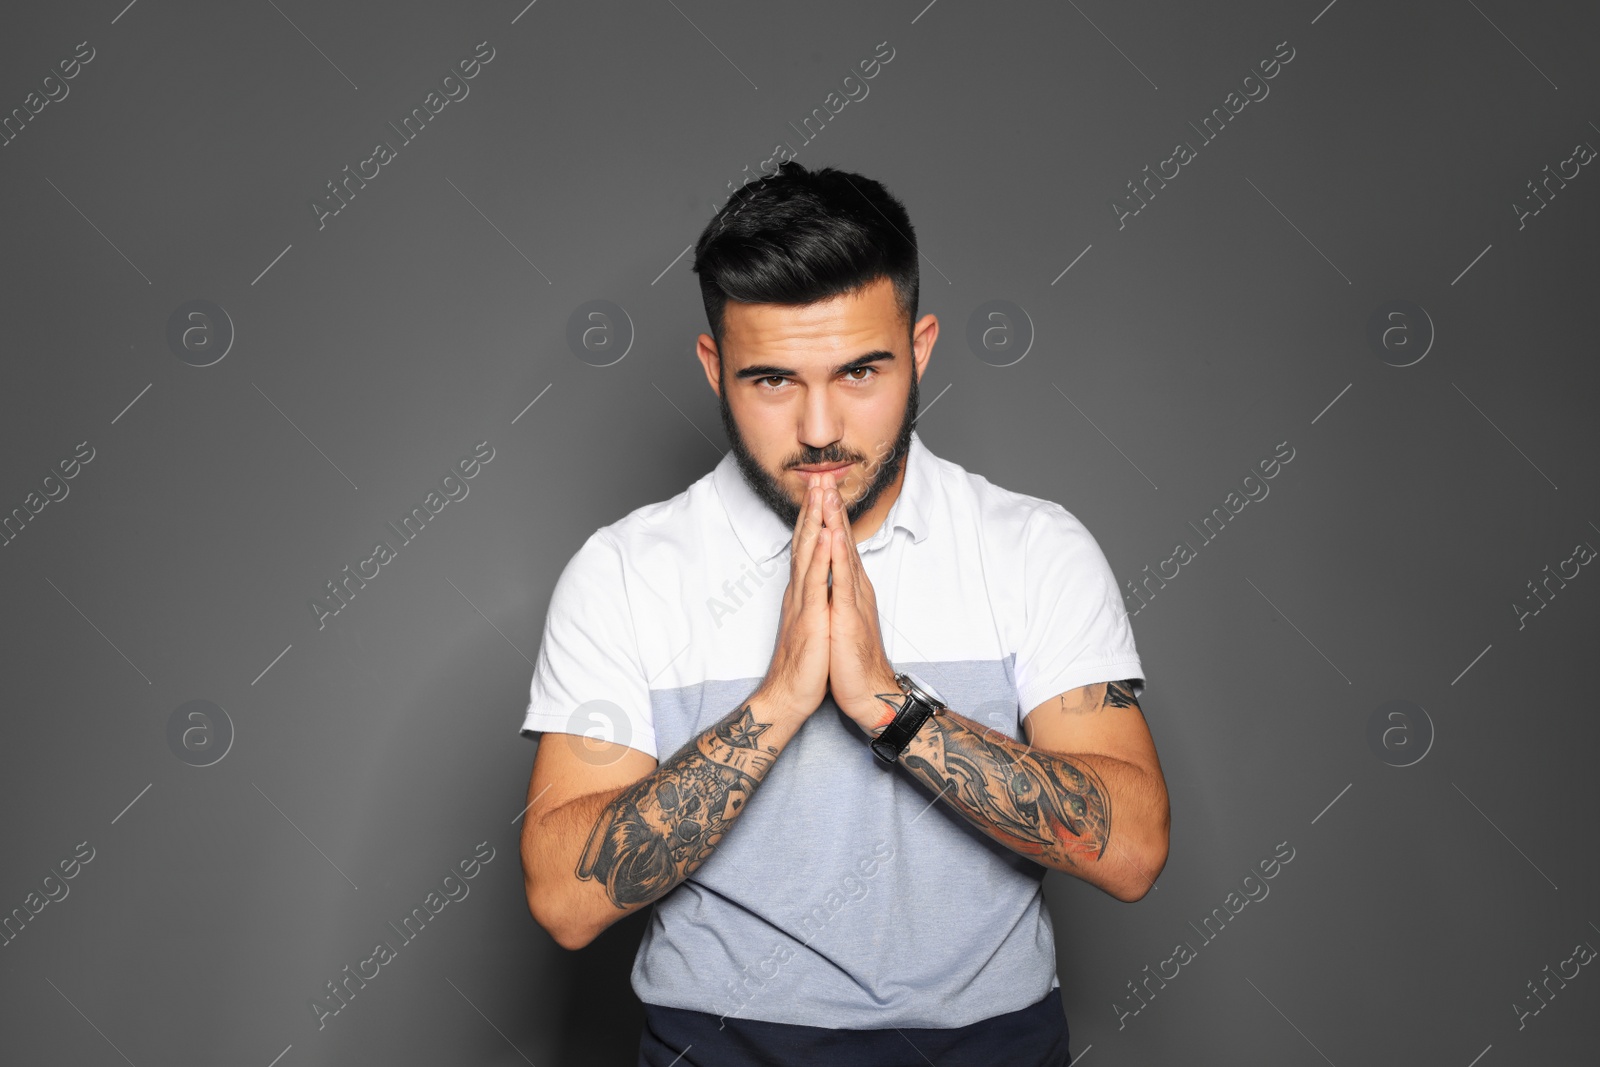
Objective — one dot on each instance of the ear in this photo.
(922, 339)
(706, 349)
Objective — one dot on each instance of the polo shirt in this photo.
(845, 895)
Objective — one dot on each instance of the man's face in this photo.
(786, 404)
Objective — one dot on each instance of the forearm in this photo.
(644, 840)
(1055, 808)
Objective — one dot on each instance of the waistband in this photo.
(1035, 1036)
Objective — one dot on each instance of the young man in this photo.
(857, 699)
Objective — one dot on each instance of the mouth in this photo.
(836, 469)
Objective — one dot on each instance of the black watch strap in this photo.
(914, 711)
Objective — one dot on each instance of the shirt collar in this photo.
(764, 535)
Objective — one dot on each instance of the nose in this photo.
(819, 427)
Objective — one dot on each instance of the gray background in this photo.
(370, 355)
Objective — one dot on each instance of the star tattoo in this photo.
(743, 732)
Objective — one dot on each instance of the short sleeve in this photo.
(1076, 630)
(588, 679)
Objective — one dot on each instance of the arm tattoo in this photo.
(658, 830)
(1101, 695)
(1041, 804)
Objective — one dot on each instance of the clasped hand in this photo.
(828, 638)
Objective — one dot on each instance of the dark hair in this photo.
(796, 237)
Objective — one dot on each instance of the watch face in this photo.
(925, 687)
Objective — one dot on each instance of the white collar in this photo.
(763, 534)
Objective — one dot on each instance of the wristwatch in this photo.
(922, 701)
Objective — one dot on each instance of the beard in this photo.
(771, 491)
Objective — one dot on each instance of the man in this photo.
(842, 790)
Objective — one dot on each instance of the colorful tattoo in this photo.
(1040, 804)
(1052, 807)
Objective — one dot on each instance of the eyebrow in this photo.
(767, 370)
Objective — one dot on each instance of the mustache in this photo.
(831, 460)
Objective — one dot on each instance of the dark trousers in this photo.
(1029, 1037)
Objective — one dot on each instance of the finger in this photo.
(844, 586)
(815, 583)
(800, 519)
(806, 527)
(834, 519)
(835, 510)
(838, 517)
(839, 496)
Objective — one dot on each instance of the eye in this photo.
(852, 370)
(773, 378)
